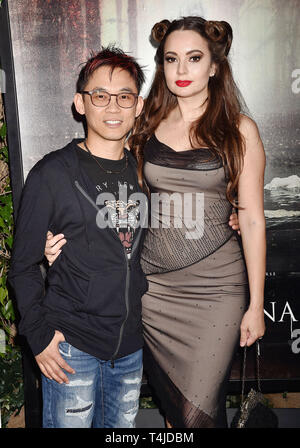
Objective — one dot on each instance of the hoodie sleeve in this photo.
(34, 217)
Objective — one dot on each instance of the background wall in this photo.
(50, 39)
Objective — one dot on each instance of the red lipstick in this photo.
(180, 83)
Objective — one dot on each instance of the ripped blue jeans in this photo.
(97, 395)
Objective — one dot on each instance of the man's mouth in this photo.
(113, 123)
(180, 83)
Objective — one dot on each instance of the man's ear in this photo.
(79, 103)
(139, 106)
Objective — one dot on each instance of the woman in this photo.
(192, 138)
(197, 297)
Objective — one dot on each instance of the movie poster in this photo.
(50, 41)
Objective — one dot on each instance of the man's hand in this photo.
(51, 362)
(234, 222)
(53, 246)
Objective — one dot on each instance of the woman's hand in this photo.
(234, 222)
(53, 246)
(252, 326)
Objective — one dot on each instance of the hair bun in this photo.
(219, 32)
(159, 30)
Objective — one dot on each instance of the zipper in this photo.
(136, 241)
(127, 284)
(128, 270)
(83, 192)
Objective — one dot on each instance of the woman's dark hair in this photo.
(218, 127)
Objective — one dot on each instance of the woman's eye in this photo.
(170, 59)
(195, 58)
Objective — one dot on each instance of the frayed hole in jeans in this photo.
(79, 410)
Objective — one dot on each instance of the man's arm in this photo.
(34, 218)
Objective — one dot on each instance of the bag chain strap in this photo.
(257, 369)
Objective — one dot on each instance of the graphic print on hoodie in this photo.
(124, 212)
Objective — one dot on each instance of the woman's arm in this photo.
(253, 229)
(53, 246)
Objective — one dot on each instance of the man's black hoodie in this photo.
(93, 292)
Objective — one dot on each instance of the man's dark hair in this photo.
(115, 58)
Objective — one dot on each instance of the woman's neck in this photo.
(190, 109)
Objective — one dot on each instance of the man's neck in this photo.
(107, 149)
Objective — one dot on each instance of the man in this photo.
(85, 330)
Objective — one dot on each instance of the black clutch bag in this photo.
(253, 412)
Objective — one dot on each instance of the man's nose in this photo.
(113, 105)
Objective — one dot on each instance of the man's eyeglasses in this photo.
(101, 98)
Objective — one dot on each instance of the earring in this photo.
(213, 74)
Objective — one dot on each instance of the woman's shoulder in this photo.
(248, 127)
(252, 140)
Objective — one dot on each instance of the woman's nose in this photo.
(181, 68)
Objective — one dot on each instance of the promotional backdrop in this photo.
(50, 39)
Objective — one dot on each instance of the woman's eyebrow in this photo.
(194, 51)
(188, 52)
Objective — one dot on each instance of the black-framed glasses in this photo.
(101, 98)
